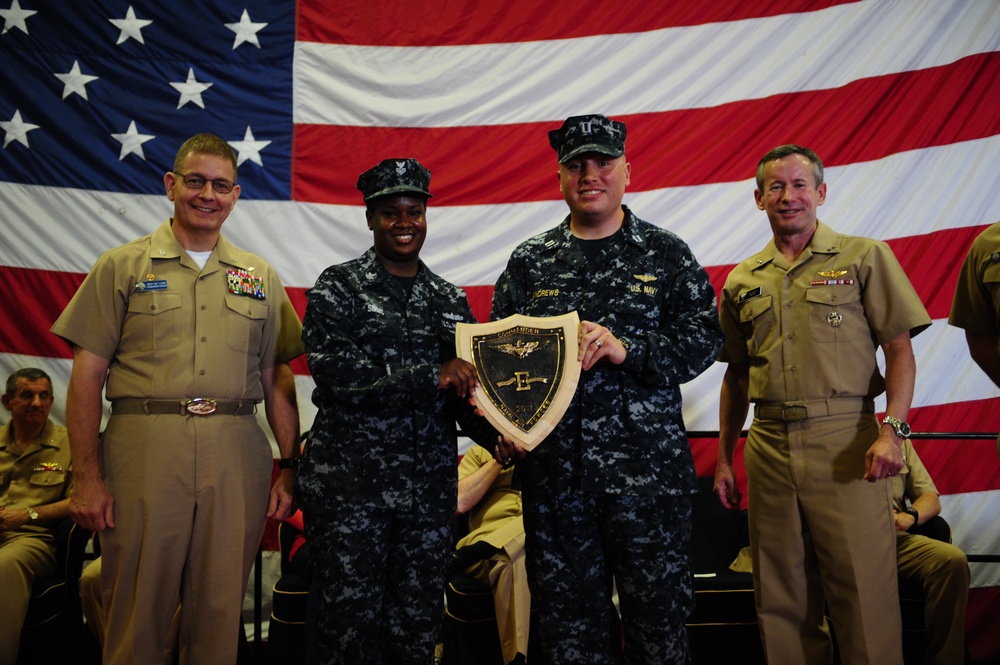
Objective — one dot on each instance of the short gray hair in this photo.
(27, 373)
(783, 151)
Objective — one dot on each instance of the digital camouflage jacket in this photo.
(384, 435)
(623, 432)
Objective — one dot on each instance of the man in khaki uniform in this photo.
(976, 307)
(190, 333)
(940, 569)
(803, 320)
(496, 530)
(35, 485)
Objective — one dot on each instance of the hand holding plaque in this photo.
(528, 371)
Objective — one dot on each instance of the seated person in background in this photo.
(90, 600)
(941, 569)
(35, 485)
(497, 530)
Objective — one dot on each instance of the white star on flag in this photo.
(246, 31)
(75, 81)
(191, 90)
(130, 26)
(249, 148)
(132, 141)
(16, 130)
(14, 17)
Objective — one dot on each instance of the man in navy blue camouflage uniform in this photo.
(607, 495)
(378, 481)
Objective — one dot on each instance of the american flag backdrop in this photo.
(900, 97)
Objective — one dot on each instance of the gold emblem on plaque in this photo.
(528, 371)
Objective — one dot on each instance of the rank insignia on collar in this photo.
(245, 283)
(832, 274)
(993, 258)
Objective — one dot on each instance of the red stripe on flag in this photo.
(958, 465)
(981, 633)
(453, 22)
(862, 121)
(932, 261)
(955, 464)
(33, 300)
(49, 290)
(933, 278)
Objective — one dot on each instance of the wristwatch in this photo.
(901, 428)
(32, 514)
(289, 462)
(912, 512)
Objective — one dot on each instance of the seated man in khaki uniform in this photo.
(941, 569)
(496, 524)
(34, 496)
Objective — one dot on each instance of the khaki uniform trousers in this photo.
(24, 557)
(505, 573)
(943, 571)
(93, 610)
(190, 497)
(819, 531)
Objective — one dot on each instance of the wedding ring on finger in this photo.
(598, 343)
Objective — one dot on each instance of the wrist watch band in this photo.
(901, 427)
(912, 512)
(32, 514)
(289, 462)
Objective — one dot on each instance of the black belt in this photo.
(196, 406)
(795, 411)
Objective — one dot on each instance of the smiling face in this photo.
(790, 196)
(399, 226)
(199, 214)
(593, 186)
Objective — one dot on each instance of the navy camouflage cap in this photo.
(588, 133)
(395, 176)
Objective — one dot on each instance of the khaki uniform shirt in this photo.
(174, 330)
(497, 517)
(976, 306)
(810, 330)
(913, 480)
(38, 476)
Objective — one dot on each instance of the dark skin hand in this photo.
(458, 374)
(507, 450)
(461, 375)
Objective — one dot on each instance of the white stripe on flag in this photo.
(660, 70)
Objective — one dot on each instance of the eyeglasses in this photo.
(197, 182)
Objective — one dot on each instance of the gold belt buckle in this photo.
(794, 413)
(200, 406)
